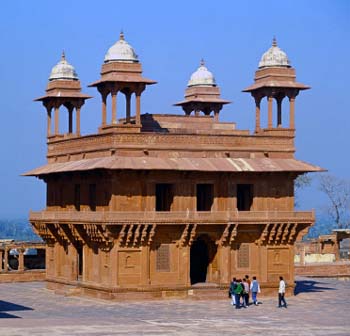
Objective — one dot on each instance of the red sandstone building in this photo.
(159, 204)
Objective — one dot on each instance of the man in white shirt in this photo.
(281, 292)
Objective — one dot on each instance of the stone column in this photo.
(216, 114)
(257, 114)
(104, 109)
(57, 111)
(6, 260)
(291, 112)
(21, 259)
(70, 120)
(77, 122)
(1, 260)
(138, 107)
(279, 111)
(48, 109)
(302, 256)
(114, 106)
(128, 105)
(269, 122)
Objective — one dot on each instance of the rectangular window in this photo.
(244, 197)
(77, 197)
(61, 200)
(80, 260)
(243, 256)
(164, 197)
(92, 197)
(205, 197)
(163, 258)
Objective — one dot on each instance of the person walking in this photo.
(245, 293)
(281, 293)
(255, 289)
(249, 282)
(238, 292)
(233, 285)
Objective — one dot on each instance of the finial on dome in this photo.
(274, 42)
(202, 77)
(63, 70)
(274, 57)
(121, 51)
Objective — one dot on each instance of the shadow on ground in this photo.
(6, 306)
(309, 286)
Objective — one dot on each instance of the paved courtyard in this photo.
(321, 307)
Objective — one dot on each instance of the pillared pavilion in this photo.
(157, 205)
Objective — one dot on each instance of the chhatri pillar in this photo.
(121, 73)
(63, 89)
(202, 94)
(275, 79)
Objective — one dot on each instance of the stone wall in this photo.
(324, 270)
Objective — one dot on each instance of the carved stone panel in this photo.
(277, 263)
(129, 262)
(163, 258)
(243, 256)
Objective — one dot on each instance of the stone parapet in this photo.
(173, 217)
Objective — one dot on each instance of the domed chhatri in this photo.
(63, 70)
(202, 77)
(274, 57)
(121, 51)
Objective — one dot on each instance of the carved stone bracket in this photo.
(272, 234)
(279, 233)
(151, 234)
(136, 235)
(264, 235)
(76, 235)
(98, 234)
(293, 232)
(285, 233)
(192, 234)
(224, 235)
(144, 233)
(233, 233)
(122, 235)
(129, 234)
(184, 236)
(42, 230)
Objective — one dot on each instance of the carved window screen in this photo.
(163, 258)
(243, 256)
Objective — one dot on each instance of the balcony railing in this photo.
(173, 217)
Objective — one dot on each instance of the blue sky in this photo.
(170, 38)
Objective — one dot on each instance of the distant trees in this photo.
(338, 192)
(301, 182)
(17, 229)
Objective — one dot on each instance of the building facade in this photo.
(163, 205)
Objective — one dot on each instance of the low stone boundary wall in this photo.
(323, 270)
(22, 276)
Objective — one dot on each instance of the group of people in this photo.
(240, 290)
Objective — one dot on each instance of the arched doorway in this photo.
(199, 260)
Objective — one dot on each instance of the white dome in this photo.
(202, 77)
(63, 70)
(274, 57)
(121, 51)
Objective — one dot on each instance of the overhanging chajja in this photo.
(179, 164)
